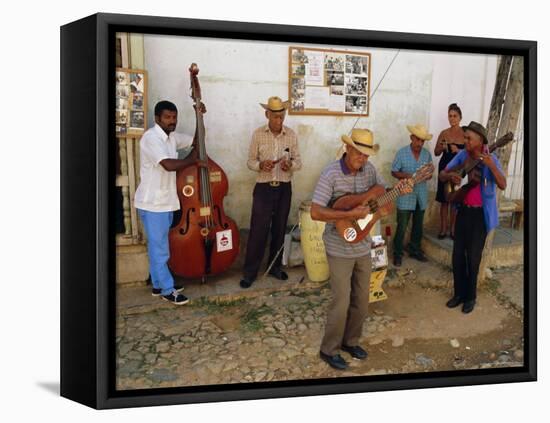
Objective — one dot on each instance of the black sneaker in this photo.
(156, 292)
(454, 302)
(334, 361)
(175, 298)
(419, 256)
(356, 352)
(246, 282)
(468, 306)
(278, 274)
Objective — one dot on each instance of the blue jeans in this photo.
(157, 225)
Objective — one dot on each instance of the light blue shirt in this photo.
(406, 162)
(488, 189)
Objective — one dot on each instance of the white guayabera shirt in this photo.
(157, 189)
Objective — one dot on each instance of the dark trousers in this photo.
(470, 234)
(403, 217)
(270, 208)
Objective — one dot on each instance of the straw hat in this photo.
(275, 104)
(362, 140)
(420, 131)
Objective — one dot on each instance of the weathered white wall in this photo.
(236, 76)
(465, 79)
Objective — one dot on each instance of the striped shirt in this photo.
(267, 146)
(406, 162)
(336, 180)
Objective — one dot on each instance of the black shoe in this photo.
(397, 261)
(175, 298)
(442, 235)
(156, 292)
(468, 306)
(356, 352)
(278, 274)
(454, 302)
(246, 282)
(334, 361)
(419, 256)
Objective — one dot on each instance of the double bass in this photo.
(205, 241)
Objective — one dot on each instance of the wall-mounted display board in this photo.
(328, 82)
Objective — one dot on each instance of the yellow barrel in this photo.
(313, 248)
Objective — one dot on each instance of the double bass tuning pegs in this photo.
(194, 69)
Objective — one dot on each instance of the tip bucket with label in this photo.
(313, 247)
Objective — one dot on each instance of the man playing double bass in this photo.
(156, 198)
(477, 215)
(350, 263)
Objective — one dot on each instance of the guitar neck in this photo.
(492, 148)
(392, 194)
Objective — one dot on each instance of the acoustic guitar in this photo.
(377, 198)
(456, 193)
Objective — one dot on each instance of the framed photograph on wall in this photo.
(123, 346)
(131, 100)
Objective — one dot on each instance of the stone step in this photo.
(507, 248)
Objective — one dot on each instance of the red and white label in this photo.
(224, 241)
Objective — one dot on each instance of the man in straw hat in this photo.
(476, 217)
(274, 155)
(350, 264)
(406, 162)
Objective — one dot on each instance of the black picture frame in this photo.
(87, 175)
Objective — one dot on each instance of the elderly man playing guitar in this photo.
(347, 242)
(477, 214)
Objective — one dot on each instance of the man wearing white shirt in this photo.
(156, 196)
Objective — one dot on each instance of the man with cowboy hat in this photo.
(406, 162)
(350, 264)
(274, 155)
(476, 217)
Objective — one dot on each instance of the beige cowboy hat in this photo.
(362, 140)
(420, 131)
(275, 104)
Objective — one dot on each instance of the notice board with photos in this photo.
(328, 82)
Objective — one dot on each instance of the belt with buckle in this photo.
(274, 183)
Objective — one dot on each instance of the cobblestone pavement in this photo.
(275, 335)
